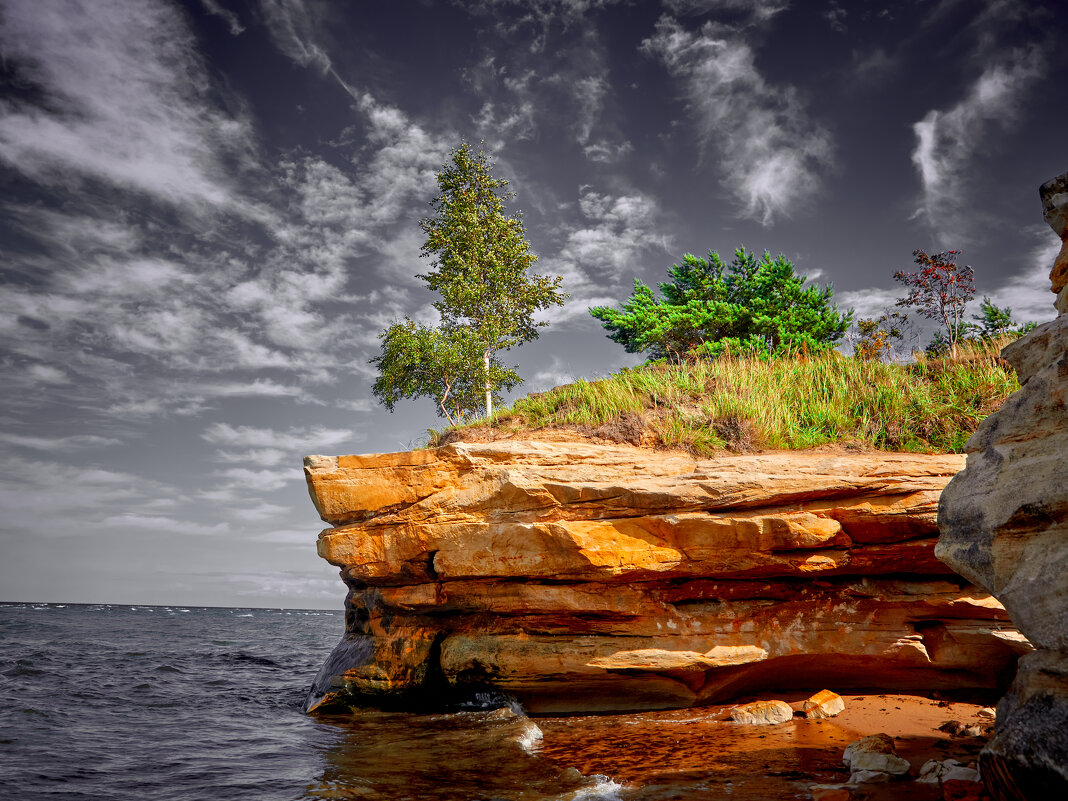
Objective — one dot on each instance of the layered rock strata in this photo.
(1004, 524)
(584, 577)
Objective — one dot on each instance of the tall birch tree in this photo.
(481, 268)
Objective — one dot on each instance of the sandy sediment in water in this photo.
(698, 753)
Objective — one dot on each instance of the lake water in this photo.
(150, 702)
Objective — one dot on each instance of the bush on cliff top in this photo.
(744, 404)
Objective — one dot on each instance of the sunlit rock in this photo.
(762, 713)
(824, 704)
(582, 577)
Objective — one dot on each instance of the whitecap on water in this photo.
(530, 736)
(603, 789)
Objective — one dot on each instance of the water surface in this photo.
(168, 703)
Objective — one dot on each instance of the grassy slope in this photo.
(751, 404)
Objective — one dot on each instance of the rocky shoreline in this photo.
(588, 578)
(1004, 525)
(579, 577)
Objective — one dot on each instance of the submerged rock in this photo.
(935, 772)
(580, 577)
(874, 754)
(1004, 525)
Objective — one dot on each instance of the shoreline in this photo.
(697, 750)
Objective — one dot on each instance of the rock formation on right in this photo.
(1004, 525)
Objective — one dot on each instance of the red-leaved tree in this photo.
(940, 290)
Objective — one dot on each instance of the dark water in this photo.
(121, 702)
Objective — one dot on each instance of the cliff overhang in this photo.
(582, 577)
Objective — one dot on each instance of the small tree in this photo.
(940, 290)
(420, 360)
(488, 297)
(708, 308)
(877, 335)
(994, 321)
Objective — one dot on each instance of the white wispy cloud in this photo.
(536, 19)
(294, 26)
(48, 497)
(161, 523)
(293, 439)
(556, 373)
(229, 17)
(870, 301)
(267, 511)
(603, 248)
(258, 481)
(771, 153)
(948, 140)
(1028, 293)
(533, 91)
(68, 443)
(758, 10)
(128, 102)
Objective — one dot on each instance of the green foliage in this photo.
(993, 323)
(996, 321)
(480, 268)
(419, 360)
(778, 403)
(481, 261)
(877, 336)
(709, 308)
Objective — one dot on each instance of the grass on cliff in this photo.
(749, 404)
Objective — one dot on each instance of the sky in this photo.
(209, 210)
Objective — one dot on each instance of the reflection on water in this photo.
(462, 756)
(108, 703)
(502, 754)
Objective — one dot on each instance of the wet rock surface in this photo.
(871, 755)
(824, 704)
(762, 713)
(580, 577)
(1004, 525)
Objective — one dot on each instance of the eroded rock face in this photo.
(584, 577)
(1004, 525)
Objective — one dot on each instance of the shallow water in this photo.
(116, 702)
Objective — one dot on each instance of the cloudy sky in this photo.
(209, 209)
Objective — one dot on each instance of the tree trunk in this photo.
(489, 392)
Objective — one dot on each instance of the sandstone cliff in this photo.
(1004, 524)
(584, 577)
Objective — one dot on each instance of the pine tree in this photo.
(709, 308)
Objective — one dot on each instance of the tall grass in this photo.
(790, 403)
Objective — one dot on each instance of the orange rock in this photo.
(586, 577)
(823, 704)
(1058, 276)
